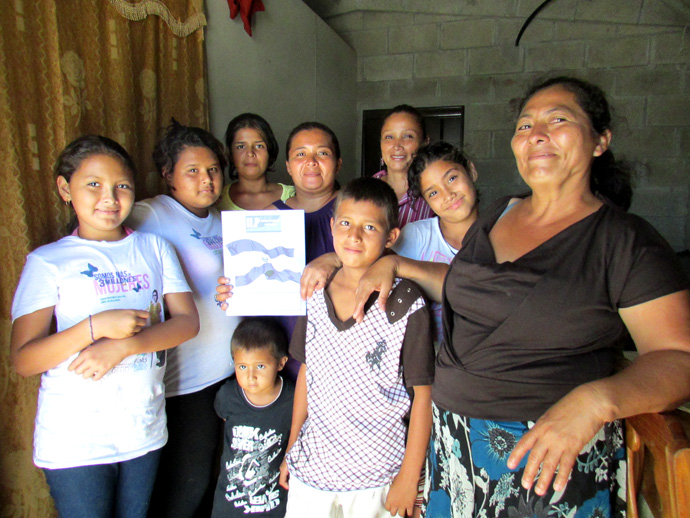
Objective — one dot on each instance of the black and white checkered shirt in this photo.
(354, 435)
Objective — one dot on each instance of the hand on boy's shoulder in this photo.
(401, 299)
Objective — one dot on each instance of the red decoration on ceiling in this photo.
(246, 8)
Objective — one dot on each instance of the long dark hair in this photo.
(609, 178)
(255, 122)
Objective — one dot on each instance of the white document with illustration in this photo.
(264, 256)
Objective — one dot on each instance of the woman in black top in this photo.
(534, 306)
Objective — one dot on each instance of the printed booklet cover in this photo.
(264, 256)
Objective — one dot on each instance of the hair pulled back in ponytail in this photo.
(609, 178)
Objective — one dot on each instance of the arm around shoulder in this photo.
(382, 273)
(428, 275)
(316, 274)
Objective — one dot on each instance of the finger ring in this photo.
(94, 374)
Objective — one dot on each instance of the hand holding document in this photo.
(264, 256)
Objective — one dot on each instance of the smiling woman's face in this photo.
(554, 141)
(311, 163)
(401, 137)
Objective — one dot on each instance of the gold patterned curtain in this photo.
(67, 68)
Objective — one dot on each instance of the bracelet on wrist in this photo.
(91, 329)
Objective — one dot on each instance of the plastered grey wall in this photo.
(446, 52)
(295, 68)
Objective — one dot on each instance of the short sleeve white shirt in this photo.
(80, 422)
(205, 359)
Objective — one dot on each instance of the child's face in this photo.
(257, 373)
(102, 193)
(401, 137)
(449, 190)
(360, 233)
(249, 153)
(196, 180)
(311, 162)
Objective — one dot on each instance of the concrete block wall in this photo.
(450, 52)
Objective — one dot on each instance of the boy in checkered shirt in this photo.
(351, 452)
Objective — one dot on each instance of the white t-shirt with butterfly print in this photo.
(80, 422)
(205, 359)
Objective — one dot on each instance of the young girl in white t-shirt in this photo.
(191, 161)
(100, 422)
(444, 177)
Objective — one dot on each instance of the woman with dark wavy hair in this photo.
(527, 399)
(402, 133)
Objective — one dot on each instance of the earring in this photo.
(68, 202)
(382, 164)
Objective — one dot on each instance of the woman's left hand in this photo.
(98, 359)
(558, 437)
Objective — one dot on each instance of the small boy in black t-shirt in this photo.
(256, 405)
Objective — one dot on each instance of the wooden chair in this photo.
(658, 456)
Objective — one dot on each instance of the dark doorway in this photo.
(442, 123)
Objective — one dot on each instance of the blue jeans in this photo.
(119, 490)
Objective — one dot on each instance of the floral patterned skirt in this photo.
(467, 475)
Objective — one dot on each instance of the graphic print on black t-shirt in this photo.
(250, 484)
(254, 443)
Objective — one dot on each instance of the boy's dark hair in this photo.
(311, 125)
(176, 138)
(260, 333)
(87, 146)
(258, 123)
(375, 191)
(426, 155)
